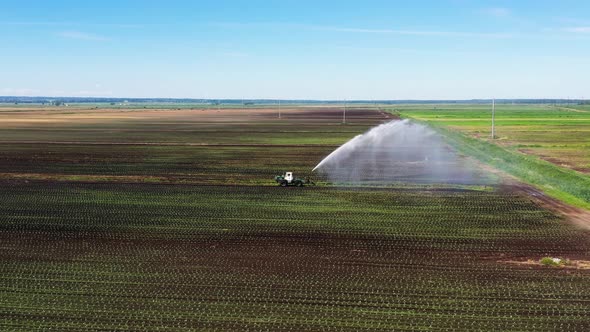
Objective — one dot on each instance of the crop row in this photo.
(159, 257)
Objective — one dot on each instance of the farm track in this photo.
(577, 216)
(511, 185)
(571, 109)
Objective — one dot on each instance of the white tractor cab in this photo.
(287, 179)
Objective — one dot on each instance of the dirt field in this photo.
(172, 146)
(170, 220)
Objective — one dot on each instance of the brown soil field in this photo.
(28, 117)
(141, 220)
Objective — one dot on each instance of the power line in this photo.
(344, 113)
(493, 118)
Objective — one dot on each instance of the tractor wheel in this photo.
(299, 184)
(284, 184)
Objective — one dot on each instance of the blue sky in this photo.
(447, 49)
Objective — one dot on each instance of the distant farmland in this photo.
(131, 220)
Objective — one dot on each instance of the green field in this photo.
(100, 231)
(560, 135)
(544, 145)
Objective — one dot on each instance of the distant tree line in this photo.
(112, 101)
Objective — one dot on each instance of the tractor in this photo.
(287, 179)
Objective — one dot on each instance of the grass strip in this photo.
(563, 184)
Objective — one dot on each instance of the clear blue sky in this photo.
(453, 49)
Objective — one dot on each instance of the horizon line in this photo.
(296, 99)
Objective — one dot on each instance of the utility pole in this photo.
(344, 113)
(493, 118)
(279, 108)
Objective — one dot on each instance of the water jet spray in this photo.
(393, 152)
